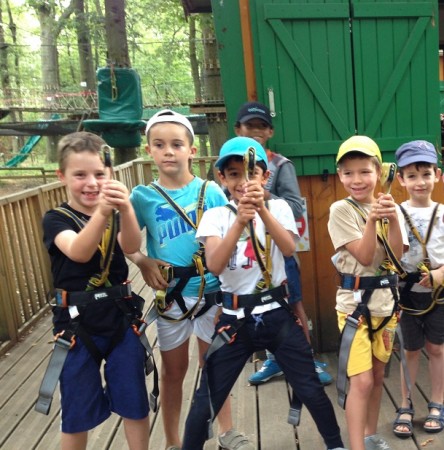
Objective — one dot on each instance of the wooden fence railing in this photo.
(25, 277)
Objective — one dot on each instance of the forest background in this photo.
(54, 46)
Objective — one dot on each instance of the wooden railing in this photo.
(25, 276)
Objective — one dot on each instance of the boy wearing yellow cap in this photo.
(367, 293)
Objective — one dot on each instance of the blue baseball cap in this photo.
(416, 152)
(238, 146)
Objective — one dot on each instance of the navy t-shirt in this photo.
(73, 276)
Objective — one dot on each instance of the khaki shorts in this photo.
(363, 349)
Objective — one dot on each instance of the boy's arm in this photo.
(253, 199)
(286, 186)
(219, 250)
(116, 195)
(364, 249)
(80, 247)
(299, 311)
(149, 268)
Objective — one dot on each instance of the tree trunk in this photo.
(16, 116)
(194, 61)
(212, 87)
(87, 72)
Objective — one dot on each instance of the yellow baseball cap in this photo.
(361, 144)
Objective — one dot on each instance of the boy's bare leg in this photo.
(412, 360)
(374, 401)
(361, 386)
(224, 418)
(74, 441)
(436, 371)
(174, 368)
(137, 433)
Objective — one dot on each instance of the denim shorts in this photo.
(86, 402)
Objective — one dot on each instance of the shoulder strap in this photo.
(415, 231)
(180, 211)
(67, 212)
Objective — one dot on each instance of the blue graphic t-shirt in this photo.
(169, 237)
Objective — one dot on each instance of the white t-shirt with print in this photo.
(420, 218)
(243, 272)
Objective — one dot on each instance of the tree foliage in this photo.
(157, 37)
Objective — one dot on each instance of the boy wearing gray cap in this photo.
(421, 295)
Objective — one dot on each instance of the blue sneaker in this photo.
(269, 370)
(324, 377)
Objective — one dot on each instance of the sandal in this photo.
(435, 418)
(407, 423)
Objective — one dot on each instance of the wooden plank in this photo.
(273, 407)
(244, 405)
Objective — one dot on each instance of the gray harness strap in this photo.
(52, 374)
(347, 337)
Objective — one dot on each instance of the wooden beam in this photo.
(247, 44)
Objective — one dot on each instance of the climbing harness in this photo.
(164, 299)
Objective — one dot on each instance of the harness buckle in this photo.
(226, 335)
(67, 341)
(139, 326)
(167, 273)
(161, 302)
(353, 321)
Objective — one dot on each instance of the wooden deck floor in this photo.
(260, 412)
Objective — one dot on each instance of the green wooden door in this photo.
(330, 70)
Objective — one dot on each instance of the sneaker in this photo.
(269, 370)
(324, 377)
(375, 442)
(233, 440)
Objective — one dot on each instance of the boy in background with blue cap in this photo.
(245, 242)
(422, 297)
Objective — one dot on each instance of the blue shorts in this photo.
(85, 402)
(293, 280)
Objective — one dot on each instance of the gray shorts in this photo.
(417, 329)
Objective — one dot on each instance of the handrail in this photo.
(25, 275)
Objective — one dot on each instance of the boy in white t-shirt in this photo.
(245, 242)
(422, 319)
